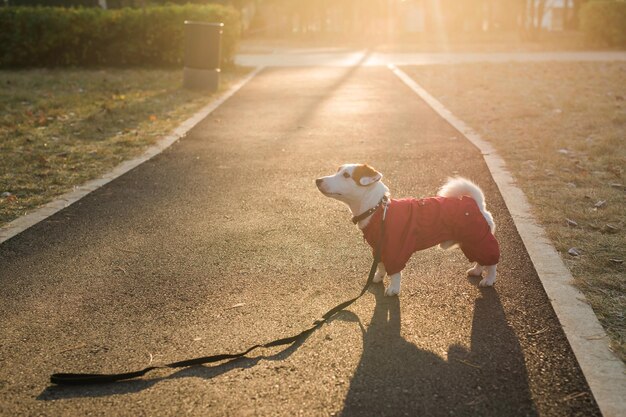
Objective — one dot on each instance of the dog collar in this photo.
(356, 219)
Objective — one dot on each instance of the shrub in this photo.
(55, 3)
(111, 4)
(154, 36)
(605, 21)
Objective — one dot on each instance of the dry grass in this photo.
(60, 128)
(561, 127)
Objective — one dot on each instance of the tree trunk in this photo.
(531, 15)
(573, 19)
(541, 9)
(566, 14)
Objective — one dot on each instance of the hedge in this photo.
(154, 36)
(55, 3)
(111, 4)
(605, 21)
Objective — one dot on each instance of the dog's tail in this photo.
(459, 187)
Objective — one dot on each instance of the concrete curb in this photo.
(22, 223)
(605, 373)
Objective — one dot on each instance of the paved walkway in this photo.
(345, 58)
(223, 241)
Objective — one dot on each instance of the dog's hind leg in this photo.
(380, 273)
(394, 284)
(490, 279)
(476, 270)
(448, 244)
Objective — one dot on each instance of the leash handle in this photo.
(91, 379)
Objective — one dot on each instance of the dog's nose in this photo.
(318, 181)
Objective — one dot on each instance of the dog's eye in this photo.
(346, 175)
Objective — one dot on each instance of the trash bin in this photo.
(203, 45)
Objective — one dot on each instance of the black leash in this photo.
(87, 379)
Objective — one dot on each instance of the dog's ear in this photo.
(366, 175)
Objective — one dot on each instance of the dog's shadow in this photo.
(395, 377)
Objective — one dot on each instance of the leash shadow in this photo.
(55, 392)
(396, 377)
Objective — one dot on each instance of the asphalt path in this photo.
(223, 241)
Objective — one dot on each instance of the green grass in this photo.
(561, 127)
(60, 128)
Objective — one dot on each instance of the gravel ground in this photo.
(223, 241)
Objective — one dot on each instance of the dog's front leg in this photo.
(476, 270)
(394, 284)
(380, 273)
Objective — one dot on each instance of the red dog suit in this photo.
(416, 224)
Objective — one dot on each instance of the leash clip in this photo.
(385, 206)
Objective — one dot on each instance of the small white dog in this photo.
(457, 216)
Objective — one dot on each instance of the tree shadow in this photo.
(395, 377)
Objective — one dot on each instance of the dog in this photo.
(456, 217)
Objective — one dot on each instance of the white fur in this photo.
(380, 273)
(370, 190)
(358, 198)
(459, 187)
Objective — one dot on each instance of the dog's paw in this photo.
(490, 279)
(487, 282)
(476, 271)
(392, 290)
(379, 276)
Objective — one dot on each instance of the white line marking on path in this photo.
(605, 373)
(22, 223)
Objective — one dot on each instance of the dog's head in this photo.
(350, 183)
